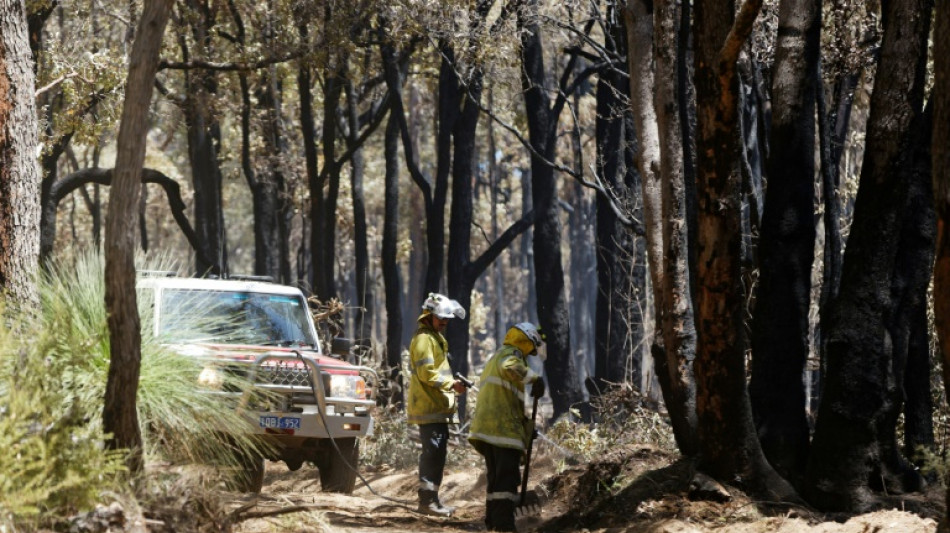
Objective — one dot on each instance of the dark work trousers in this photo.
(504, 476)
(435, 442)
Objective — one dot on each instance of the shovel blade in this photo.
(530, 506)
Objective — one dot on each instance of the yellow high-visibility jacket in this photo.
(499, 411)
(431, 399)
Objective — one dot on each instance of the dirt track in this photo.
(664, 511)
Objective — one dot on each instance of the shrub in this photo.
(53, 369)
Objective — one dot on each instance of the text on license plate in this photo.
(281, 422)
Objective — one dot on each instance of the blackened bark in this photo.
(263, 197)
(614, 244)
(364, 285)
(36, 19)
(271, 254)
(119, 415)
(323, 204)
(460, 282)
(309, 137)
(918, 410)
(560, 366)
(941, 179)
(49, 166)
(19, 173)
(678, 325)
(909, 282)
(204, 138)
(729, 447)
(462, 271)
(391, 276)
(450, 95)
(277, 208)
(786, 246)
(846, 456)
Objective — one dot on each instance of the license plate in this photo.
(282, 422)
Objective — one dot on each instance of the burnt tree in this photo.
(542, 118)
(847, 461)
(786, 245)
(728, 445)
(941, 186)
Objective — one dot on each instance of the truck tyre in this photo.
(338, 469)
(249, 478)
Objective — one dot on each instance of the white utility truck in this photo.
(264, 332)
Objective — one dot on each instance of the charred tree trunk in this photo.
(653, 100)
(941, 184)
(309, 137)
(909, 282)
(119, 415)
(271, 252)
(391, 277)
(846, 457)
(19, 173)
(364, 282)
(263, 197)
(450, 95)
(204, 139)
(614, 288)
(458, 272)
(679, 330)
(323, 202)
(729, 447)
(560, 366)
(786, 246)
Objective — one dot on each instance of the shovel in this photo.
(530, 504)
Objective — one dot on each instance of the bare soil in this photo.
(641, 489)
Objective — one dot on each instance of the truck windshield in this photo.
(233, 317)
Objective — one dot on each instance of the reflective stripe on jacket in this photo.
(431, 399)
(499, 410)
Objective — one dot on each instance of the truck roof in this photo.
(174, 282)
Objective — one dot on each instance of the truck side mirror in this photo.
(341, 346)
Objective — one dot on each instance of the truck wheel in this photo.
(249, 478)
(338, 469)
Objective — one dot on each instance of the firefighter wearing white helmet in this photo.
(500, 430)
(432, 402)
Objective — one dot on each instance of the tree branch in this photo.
(103, 176)
(729, 54)
(230, 66)
(475, 268)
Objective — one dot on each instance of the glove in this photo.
(537, 388)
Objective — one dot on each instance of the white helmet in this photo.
(532, 332)
(443, 306)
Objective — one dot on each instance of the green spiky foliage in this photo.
(53, 461)
(53, 368)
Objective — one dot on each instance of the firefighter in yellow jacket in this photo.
(500, 430)
(432, 401)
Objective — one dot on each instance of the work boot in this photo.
(429, 504)
(448, 508)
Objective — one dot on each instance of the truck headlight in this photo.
(210, 378)
(347, 387)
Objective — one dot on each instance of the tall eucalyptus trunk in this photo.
(786, 245)
(19, 173)
(847, 461)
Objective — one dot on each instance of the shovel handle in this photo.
(527, 459)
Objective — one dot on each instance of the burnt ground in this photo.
(636, 489)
